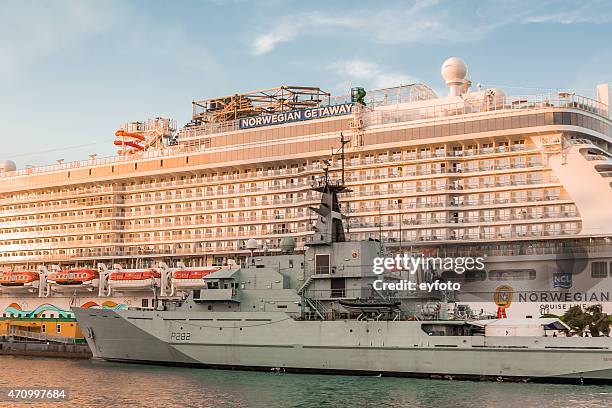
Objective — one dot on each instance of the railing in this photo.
(441, 205)
(497, 248)
(59, 220)
(317, 307)
(14, 332)
(461, 222)
(213, 236)
(238, 191)
(57, 208)
(238, 204)
(58, 245)
(481, 236)
(253, 176)
(530, 102)
(336, 293)
(522, 249)
(19, 198)
(141, 251)
(52, 233)
(376, 117)
(408, 235)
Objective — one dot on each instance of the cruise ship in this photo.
(523, 181)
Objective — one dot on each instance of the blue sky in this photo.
(72, 71)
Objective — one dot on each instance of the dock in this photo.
(27, 343)
(40, 349)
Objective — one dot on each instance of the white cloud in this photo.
(581, 14)
(420, 21)
(431, 21)
(267, 42)
(289, 28)
(368, 74)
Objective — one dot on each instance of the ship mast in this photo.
(329, 227)
(343, 142)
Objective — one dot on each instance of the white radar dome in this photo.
(454, 69)
(251, 244)
(7, 166)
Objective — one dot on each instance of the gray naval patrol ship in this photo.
(319, 312)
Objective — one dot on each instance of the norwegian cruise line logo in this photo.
(562, 280)
(569, 263)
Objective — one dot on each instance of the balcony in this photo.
(49, 196)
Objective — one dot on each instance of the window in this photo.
(322, 263)
(468, 276)
(145, 302)
(475, 275)
(599, 270)
(512, 274)
(338, 287)
(43, 328)
(58, 328)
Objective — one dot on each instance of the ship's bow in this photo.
(115, 336)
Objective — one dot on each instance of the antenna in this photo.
(343, 142)
(399, 212)
(326, 179)
(348, 220)
(380, 229)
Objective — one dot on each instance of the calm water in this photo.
(101, 384)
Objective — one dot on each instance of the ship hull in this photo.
(266, 341)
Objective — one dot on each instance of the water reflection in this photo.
(101, 384)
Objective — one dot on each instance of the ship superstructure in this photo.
(518, 179)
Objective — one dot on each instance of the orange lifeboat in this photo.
(190, 279)
(74, 279)
(134, 279)
(18, 281)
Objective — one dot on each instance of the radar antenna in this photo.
(340, 153)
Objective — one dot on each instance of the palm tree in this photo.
(591, 319)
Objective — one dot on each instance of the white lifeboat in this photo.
(190, 279)
(69, 280)
(23, 281)
(134, 279)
